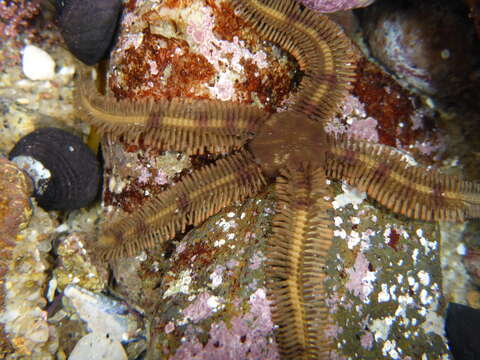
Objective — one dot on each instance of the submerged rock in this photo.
(98, 346)
(430, 45)
(327, 6)
(76, 267)
(23, 313)
(102, 314)
(15, 213)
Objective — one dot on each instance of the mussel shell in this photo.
(74, 170)
(88, 27)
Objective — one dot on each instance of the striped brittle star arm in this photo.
(414, 191)
(191, 126)
(321, 48)
(191, 201)
(296, 254)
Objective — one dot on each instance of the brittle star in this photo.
(290, 146)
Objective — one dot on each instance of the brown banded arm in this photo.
(191, 126)
(321, 48)
(296, 254)
(192, 200)
(406, 189)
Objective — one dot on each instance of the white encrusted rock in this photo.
(37, 64)
(98, 346)
(102, 314)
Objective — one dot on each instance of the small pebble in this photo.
(97, 346)
(37, 64)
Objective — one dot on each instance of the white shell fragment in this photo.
(98, 346)
(39, 174)
(102, 314)
(37, 64)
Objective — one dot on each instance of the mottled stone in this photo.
(430, 45)
(196, 49)
(76, 267)
(213, 293)
(132, 174)
(15, 213)
(328, 6)
(384, 284)
(103, 314)
(23, 315)
(381, 110)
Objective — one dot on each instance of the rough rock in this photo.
(430, 46)
(327, 6)
(97, 346)
(15, 213)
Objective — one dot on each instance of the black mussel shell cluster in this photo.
(89, 27)
(65, 172)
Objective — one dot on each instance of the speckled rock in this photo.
(95, 346)
(75, 266)
(23, 315)
(384, 284)
(431, 46)
(103, 314)
(15, 213)
(195, 49)
(214, 303)
(327, 6)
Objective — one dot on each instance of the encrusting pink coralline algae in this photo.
(335, 5)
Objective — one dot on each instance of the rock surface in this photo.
(98, 346)
(327, 6)
(429, 45)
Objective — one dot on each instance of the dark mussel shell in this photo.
(462, 327)
(73, 172)
(88, 27)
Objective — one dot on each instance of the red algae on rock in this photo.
(186, 70)
(403, 121)
(172, 50)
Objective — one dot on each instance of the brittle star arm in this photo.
(320, 47)
(382, 172)
(411, 190)
(190, 202)
(296, 254)
(190, 126)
